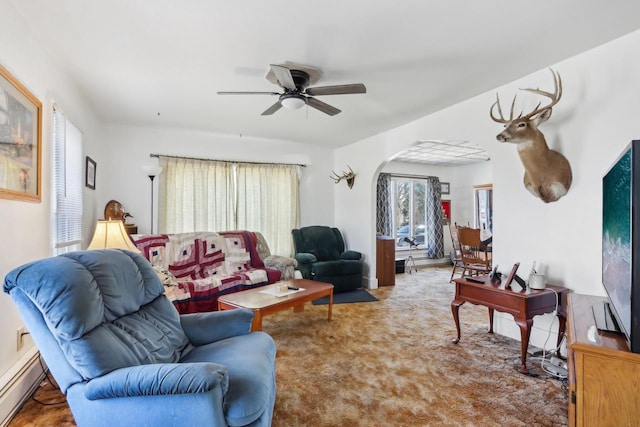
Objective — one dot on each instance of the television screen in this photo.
(619, 211)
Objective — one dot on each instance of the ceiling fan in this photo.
(297, 94)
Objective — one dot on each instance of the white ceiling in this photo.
(444, 153)
(161, 62)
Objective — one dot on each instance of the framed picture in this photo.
(90, 173)
(512, 275)
(20, 140)
(444, 188)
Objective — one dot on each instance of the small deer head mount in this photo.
(547, 173)
(350, 177)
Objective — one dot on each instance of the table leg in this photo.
(561, 329)
(455, 308)
(256, 323)
(491, 311)
(330, 306)
(525, 333)
(298, 308)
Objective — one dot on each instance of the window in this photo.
(417, 214)
(200, 195)
(67, 184)
(409, 213)
(267, 200)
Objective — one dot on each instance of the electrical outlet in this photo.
(20, 333)
(558, 362)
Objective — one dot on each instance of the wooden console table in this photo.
(522, 305)
(603, 375)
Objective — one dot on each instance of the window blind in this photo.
(67, 158)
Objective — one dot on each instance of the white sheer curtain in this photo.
(268, 201)
(195, 195)
(208, 195)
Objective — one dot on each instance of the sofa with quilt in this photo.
(197, 268)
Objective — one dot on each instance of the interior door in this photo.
(483, 206)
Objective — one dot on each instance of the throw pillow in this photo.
(166, 277)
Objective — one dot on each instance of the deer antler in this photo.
(337, 178)
(502, 119)
(348, 176)
(555, 97)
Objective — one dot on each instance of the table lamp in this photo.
(111, 234)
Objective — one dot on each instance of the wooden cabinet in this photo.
(604, 377)
(386, 261)
(131, 228)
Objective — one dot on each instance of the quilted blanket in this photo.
(196, 268)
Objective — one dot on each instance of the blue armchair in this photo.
(124, 356)
(321, 255)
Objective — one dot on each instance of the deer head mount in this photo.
(350, 177)
(547, 173)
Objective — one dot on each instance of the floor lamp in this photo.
(152, 171)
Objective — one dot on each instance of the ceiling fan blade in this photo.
(248, 93)
(321, 106)
(269, 111)
(283, 75)
(337, 90)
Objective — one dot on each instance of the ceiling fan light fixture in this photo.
(297, 94)
(293, 101)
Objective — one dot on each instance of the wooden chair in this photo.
(476, 259)
(456, 256)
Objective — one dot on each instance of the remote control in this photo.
(293, 288)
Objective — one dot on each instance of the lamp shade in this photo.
(111, 234)
(152, 170)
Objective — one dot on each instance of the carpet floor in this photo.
(389, 363)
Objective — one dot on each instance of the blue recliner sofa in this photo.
(124, 356)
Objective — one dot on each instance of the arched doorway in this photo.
(459, 166)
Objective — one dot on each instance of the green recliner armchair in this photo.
(321, 256)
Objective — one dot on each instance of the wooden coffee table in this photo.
(262, 304)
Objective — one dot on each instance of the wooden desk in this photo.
(522, 305)
(131, 228)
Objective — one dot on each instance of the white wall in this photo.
(596, 118)
(25, 227)
(462, 183)
(129, 149)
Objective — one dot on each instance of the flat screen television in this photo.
(621, 247)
